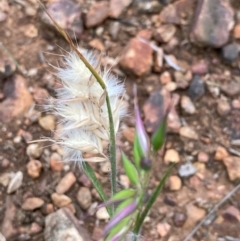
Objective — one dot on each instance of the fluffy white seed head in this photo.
(81, 107)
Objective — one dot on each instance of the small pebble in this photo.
(220, 153)
(196, 88)
(203, 157)
(35, 228)
(230, 52)
(163, 229)
(170, 86)
(34, 168)
(84, 198)
(188, 132)
(165, 78)
(60, 200)
(34, 151)
(171, 156)
(66, 183)
(5, 163)
(179, 219)
(223, 107)
(15, 183)
(5, 179)
(124, 181)
(30, 31)
(56, 162)
(102, 214)
(106, 167)
(49, 208)
(175, 183)
(32, 203)
(84, 180)
(47, 122)
(187, 170)
(187, 105)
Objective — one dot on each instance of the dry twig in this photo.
(190, 235)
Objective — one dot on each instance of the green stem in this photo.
(112, 148)
(151, 201)
(91, 175)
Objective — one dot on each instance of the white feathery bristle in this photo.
(81, 108)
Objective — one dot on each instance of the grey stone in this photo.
(230, 52)
(187, 170)
(62, 225)
(197, 88)
(213, 23)
(67, 14)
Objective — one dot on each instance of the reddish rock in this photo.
(84, 180)
(56, 162)
(67, 14)
(32, 203)
(236, 31)
(194, 215)
(194, 181)
(5, 163)
(180, 12)
(231, 89)
(40, 95)
(145, 33)
(232, 164)
(71, 208)
(137, 57)
(97, 13)
(232, 214)
(155, 108)
(203, 157)
(223, 107)
(66, 183)
(173, 120)
(49, 208)
(97, 44)
(221, 153)
(7, 228)
(35, 228)
(200, 68)
(18, 99)
(165, 33)
(213, 23)
(163, 229)
(97, 232)
(117, 7)
(158, 59)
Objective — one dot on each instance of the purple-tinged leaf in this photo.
(129, 209)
